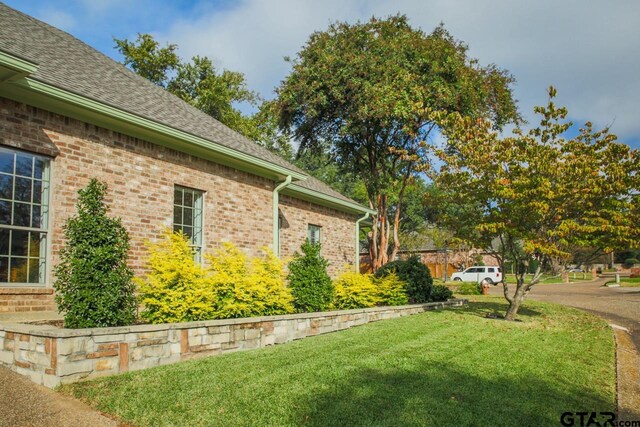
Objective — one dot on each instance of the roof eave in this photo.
(326, 200)
(57, 100)
(13, 68)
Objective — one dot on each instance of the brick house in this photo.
(69, 113)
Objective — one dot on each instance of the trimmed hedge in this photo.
(308, 279)
(93, 284)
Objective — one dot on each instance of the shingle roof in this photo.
(70, 64)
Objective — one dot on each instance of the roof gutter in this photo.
(61, 101)
(327, 200)
(276, 219)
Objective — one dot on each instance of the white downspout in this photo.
(357, 263)
(276, 202)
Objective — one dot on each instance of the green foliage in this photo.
(440, 293)
(629, 262)
(148, 59)
(93, 283)
(308, 279)
(201, 85)
(246, 287)
(354, 290)
(391, 290)
(367, 91)
(174, 289)
(415, 274)
(544, 194)
(468, 288)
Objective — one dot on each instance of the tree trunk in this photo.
(515, 302)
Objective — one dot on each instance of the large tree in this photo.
(539, 194)
(199, 83)
(366, 91)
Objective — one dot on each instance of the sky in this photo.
(588, 49)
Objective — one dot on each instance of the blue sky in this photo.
(589, 50)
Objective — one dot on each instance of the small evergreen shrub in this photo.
(93, 284)
(630, 262)
(440, 293)
(355, 290)
(391, 290)
(468, 288)
(308, 279)
(246, 287)
(174, 289)
(415, 274)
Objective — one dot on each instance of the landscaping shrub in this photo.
(415, 274)
(630, 262)
(308, 279)
(174, 289)
(244, 287)
(440, 293)
(355, 290)
(468, 288)
(93, 284)
(391, 290)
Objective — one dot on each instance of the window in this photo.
(491, 270)
(187, 217)
(313, 234)
(24, 209)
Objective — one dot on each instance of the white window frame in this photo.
(42, 230)
(197, 218)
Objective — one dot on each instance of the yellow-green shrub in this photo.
(391, 290)
(174, 289)
(354, 290)
(244, 287)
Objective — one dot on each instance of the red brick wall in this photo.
(336, 234)
(141, 177)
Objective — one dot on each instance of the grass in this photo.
(627, 282)
(452, 367)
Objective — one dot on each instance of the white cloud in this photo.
(588, 50)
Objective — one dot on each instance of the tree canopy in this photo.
(366, 91)
(539, 193)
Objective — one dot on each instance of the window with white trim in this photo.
(187, 216)
(313, 234)
(24, 211)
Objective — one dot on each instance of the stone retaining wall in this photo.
(51, 356)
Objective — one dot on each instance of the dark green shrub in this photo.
(440, 293)
(630, 262)
(93, 283)
(308, 279)
(415, 274)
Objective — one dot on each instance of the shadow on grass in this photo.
(439, 395)
(485, 308)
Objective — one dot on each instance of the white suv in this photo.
(492, 274)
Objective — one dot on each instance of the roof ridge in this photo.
(99, 77)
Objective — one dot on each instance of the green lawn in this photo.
(452, 367)
(627, 282)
